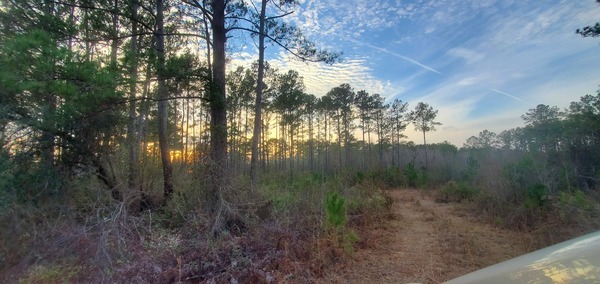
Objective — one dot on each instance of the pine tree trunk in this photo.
(115, 34)
(425, 148)
(311, 143)
(132, 145)
(218, 115)
(163, 141)
(259, 88)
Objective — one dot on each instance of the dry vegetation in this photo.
(138, 163)
(306, 228)
(428, 241)
(280, 233)
(288, 231)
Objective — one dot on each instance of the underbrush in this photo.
(287, 230)
(326, 216)
(525, 194)
(457, 191)
(545, 217)
(407, 176)
(60, 241)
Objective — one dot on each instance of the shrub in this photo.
(336, 221)
(335, 211)
(393, 177)
(348, 240)
(411, 174)
(575, 204)
(536, 196)
(522, 174)
(471, 170)
(455, 191)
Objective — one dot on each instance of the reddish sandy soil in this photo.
(426, 242)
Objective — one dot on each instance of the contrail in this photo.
(396, 54)
(510, 96)
(427, 67)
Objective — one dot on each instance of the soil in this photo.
(427, 242)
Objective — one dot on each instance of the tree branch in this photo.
(287, 48)
(103, 10)
(138, 34)
(243, 19)
(279, 16)
(195, 3)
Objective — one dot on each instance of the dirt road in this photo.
(426, 242)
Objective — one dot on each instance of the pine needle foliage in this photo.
(335, 210)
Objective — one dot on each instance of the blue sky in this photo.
(481, 63)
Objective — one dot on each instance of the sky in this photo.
(481, 63)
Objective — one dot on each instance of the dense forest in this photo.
(128, 149)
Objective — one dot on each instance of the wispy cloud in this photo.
(467, 81)
(320, 78)
(482, 63)
(470, 56)
(327, 18)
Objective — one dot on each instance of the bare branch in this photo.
(280, 16)
(279, 43)
(242, 19)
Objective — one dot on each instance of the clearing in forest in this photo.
(427, 242)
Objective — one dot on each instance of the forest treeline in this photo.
(85, 82)
(111, 111)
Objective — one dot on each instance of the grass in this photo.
(88, 237)
(50, 274)
(289, 229)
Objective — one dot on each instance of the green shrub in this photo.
(283, 192)
(455, 191)
(335, 211)
(471, 170)
(360, 176)
(573, 204)
(522, 174)
(536, 196)
(368, 201)
(411, 175)
(394, 177)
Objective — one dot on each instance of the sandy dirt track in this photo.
(426, 242)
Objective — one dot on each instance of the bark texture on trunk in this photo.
(258, 103)
(163, 140)
(218, 115)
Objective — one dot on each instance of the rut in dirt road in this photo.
(427, 242)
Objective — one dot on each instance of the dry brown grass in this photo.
(426, 242)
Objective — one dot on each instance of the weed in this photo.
(348, 241)
(50, 274)
(498, 221)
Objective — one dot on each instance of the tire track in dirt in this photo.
(426, 242)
